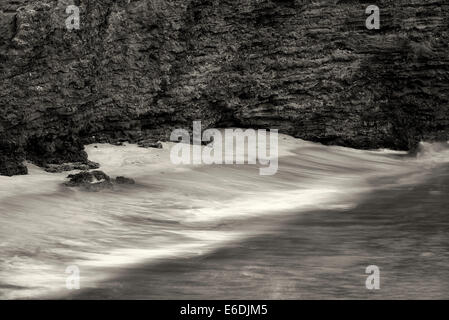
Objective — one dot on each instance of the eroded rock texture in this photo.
(138, 68)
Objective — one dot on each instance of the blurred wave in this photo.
(175, 211)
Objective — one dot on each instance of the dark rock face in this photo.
(139, 68)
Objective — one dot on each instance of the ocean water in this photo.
(224, 231)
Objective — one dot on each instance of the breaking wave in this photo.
(175, 211)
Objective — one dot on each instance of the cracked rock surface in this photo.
(139, 68)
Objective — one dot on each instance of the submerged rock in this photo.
(92, 181)
(124, 180)
(100, 175)
(95, 181)
(79, 179)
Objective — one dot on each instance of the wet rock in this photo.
(56, 168)
(11, 161)
(90, 180)
(100, 175)
(79, 179)
(96, 181)
(124, 180)
(9, 169)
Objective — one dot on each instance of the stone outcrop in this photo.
(96, 181)
(139, 68)
(89, 181)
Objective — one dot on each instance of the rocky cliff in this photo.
(138, 68)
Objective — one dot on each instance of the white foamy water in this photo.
(172, 211)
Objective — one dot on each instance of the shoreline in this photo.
(186, 205)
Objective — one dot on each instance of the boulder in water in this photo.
(96, 180)
(91, 181)
(124, 180)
